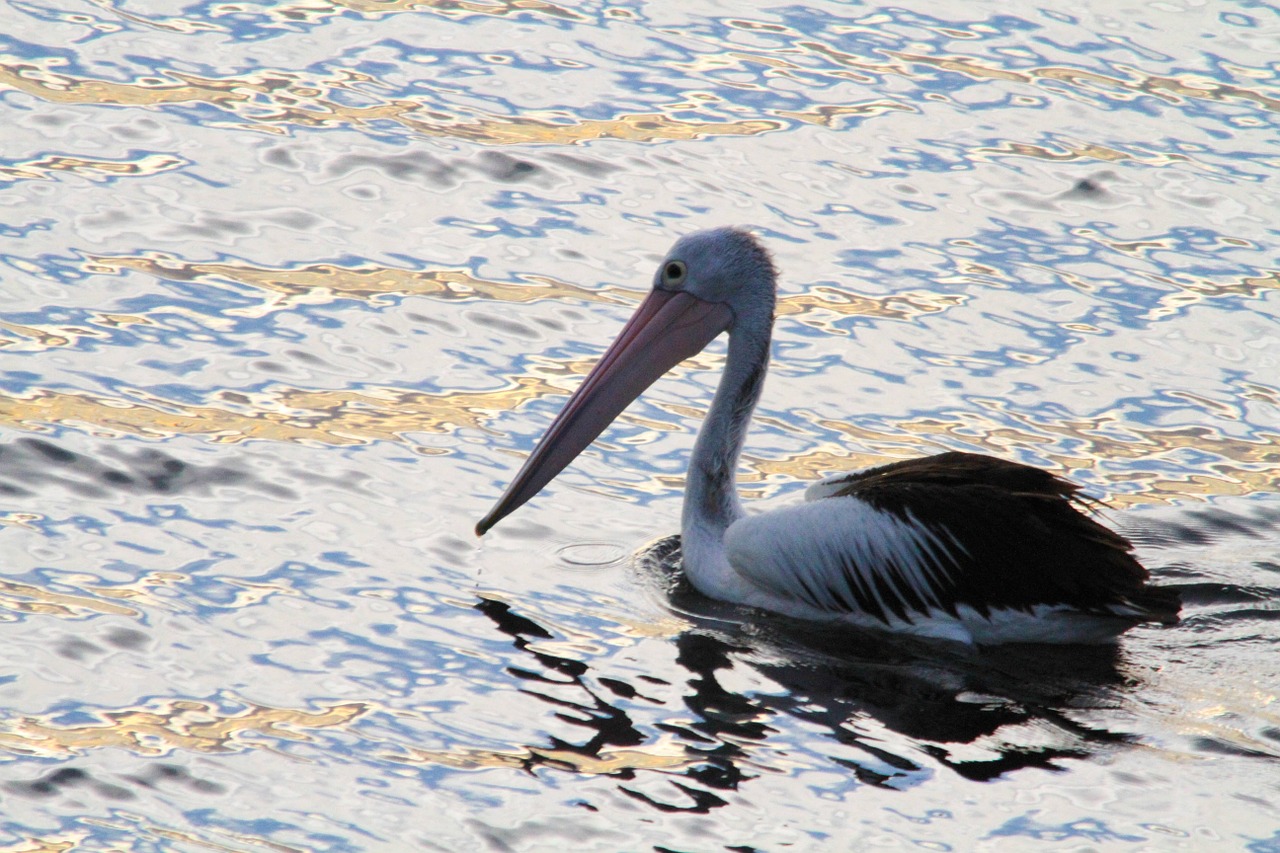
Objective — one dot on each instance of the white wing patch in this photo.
(828, 486)
(839, 555)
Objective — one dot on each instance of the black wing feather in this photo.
(1023, 537)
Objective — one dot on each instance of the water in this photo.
(289, 290)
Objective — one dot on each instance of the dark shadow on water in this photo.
(1223, 560)
(609, 725)
(101, 470)
(1257, 520)
(30, 466)
(935, 693)
(892, 714)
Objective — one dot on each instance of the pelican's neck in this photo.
(711, 501)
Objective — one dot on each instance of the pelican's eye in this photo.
(673, 273)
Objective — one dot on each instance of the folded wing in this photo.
(942, 534)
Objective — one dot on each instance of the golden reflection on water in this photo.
(1066, 152)
(171, 725)
(1173, 90)
(342, 417)
(563, 128)
(1184, 289)
(660, 755)
(19, 597)
(1220, 712)
(1225, 479)
(142, 834)
(127, 599)
(49, 166)
(267, 99)
(273, 100)
(314, 12)
(32, 338)
(26, 337)
(810, 307)
(1245, 466)
(40, 80)
(319, 11)
(827, 116)
(202, 727)
(1190, 290)
(59, 842)
(318, 284)
(25, 520)
(348, 418)
(287, 414)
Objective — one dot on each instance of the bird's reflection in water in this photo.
(896, 710)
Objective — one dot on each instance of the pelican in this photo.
(957, 546)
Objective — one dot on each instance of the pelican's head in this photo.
(710, 282)
(725, 266)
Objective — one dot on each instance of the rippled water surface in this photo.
(290, 289)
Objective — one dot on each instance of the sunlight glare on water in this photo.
(288, 292)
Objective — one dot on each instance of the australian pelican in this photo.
(957, 545)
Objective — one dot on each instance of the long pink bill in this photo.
(667, 328)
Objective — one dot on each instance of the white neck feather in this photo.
(711, 500)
